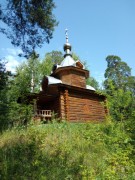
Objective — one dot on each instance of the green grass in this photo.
(66, 151)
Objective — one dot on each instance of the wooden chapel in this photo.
(66, 94)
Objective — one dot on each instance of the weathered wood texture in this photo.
(74, 80)
(66, 105)
(83, 108)
(62, 107)
(72, 76)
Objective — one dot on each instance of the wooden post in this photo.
(66, 104)
(35, 107)
(62, 108)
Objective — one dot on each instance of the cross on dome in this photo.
(66, 33)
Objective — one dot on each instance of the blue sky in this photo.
(97, 28)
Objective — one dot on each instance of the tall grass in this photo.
(66, 151)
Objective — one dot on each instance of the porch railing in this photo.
(44, 113)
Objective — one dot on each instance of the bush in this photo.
(67, 151)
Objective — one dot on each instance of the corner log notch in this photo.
(66, 105)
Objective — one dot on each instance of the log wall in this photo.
(82, 108)
(86, 108)
(71, 75)
(72, 78)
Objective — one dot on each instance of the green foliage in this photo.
(21, 84)
(3, 109)
(75, 56)
(67, 151)
(120, 89)
(19, 114)
(12, 113)
(119, 85)
(131, 85)
(51, 58)
(3, 95)
(118, 72)
(3, 75)
(121, 104)
(92, 82)
(29, 23)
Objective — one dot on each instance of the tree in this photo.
(29, 23)
(51, 58)
(120, 89)
(131, 84)
(118, 72)
(13, 88)
(27, 77)
(92, 82)
(3, 75)
(121, 104)
(3, 97)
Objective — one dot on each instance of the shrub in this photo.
(67, 151)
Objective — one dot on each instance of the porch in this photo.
(43, 114)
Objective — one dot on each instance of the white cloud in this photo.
(11, 57)
(14, 52)
(12, 63)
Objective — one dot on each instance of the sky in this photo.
(96, 29)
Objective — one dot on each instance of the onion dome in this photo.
(68, 60)
(67, 48)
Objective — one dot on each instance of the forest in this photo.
(60, 150)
